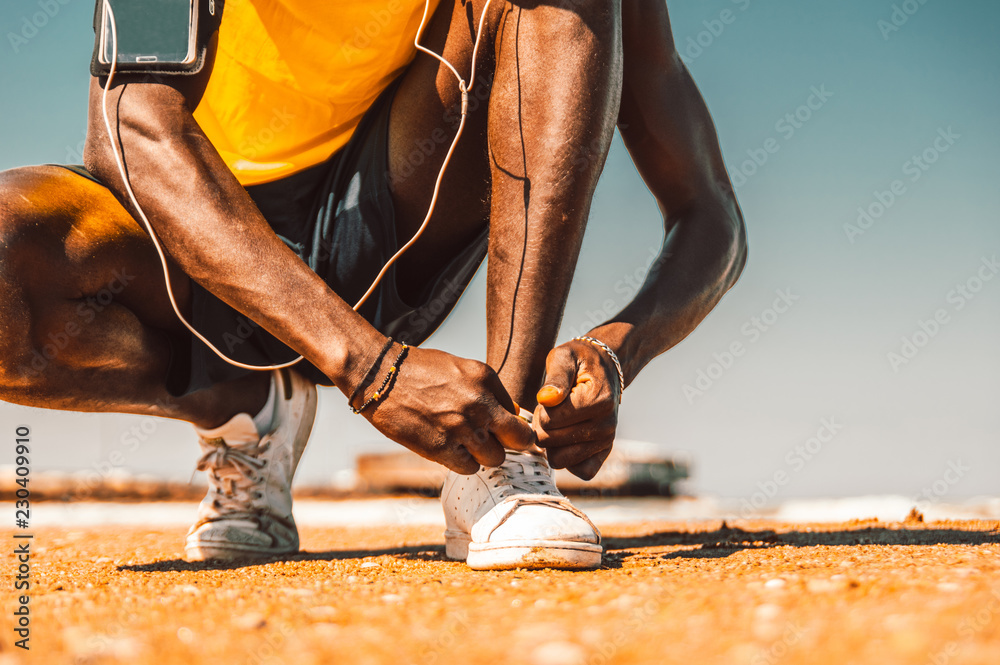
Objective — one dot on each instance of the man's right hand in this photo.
(451, 410)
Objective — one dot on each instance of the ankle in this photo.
(223, 401)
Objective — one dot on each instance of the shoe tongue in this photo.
(532, 469)
(239, 432)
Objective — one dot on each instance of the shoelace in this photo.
(235, 487)
(523, 473)
(528, 478)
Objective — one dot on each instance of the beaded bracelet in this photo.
(618, 366)
(383, 389)
(370, 376)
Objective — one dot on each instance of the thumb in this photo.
(560, 375)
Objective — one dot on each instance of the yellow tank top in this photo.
(292, 78)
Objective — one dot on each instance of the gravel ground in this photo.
(754, 592)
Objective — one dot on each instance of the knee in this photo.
(594, 13)
(25, 204)
(21, 245)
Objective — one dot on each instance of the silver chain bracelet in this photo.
(614, 357)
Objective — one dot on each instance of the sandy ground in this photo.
(753, 592)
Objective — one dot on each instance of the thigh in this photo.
(64, 237)
(424, 118)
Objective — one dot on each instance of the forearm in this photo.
(702, 257)
(214, 233)
(542, 181)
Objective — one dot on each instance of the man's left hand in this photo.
(577, 412)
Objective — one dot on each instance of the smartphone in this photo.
(160, 33)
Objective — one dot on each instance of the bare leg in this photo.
(85, 320)
(529, 162)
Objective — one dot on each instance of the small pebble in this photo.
(826, 586)
(767, 612)
(323, 612)
(776, 583)
(558, 653)
(251, 621)
(185, 635)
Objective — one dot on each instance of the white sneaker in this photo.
(512, 516)
(247, 512)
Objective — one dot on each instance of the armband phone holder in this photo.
(153, 36)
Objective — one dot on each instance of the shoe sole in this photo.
(526, 554)
(220, 552)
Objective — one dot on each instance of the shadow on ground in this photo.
(721, 542)
(727, 540)
(429, 552)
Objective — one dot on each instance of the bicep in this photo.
(149, 102)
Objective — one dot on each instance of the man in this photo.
(280, 180)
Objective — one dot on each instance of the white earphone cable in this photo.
(119, 161)
(458, 134)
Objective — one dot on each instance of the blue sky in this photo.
(903, 126)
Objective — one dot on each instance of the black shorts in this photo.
(339, 218)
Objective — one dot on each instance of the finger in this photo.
(459, 460)
(586, 402)
(495, 386)
(589, 430)
(485, 448)
(560, 376)
(513, 432)
(587, 469)
(571, 456)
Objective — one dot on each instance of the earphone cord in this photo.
(119, 161)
